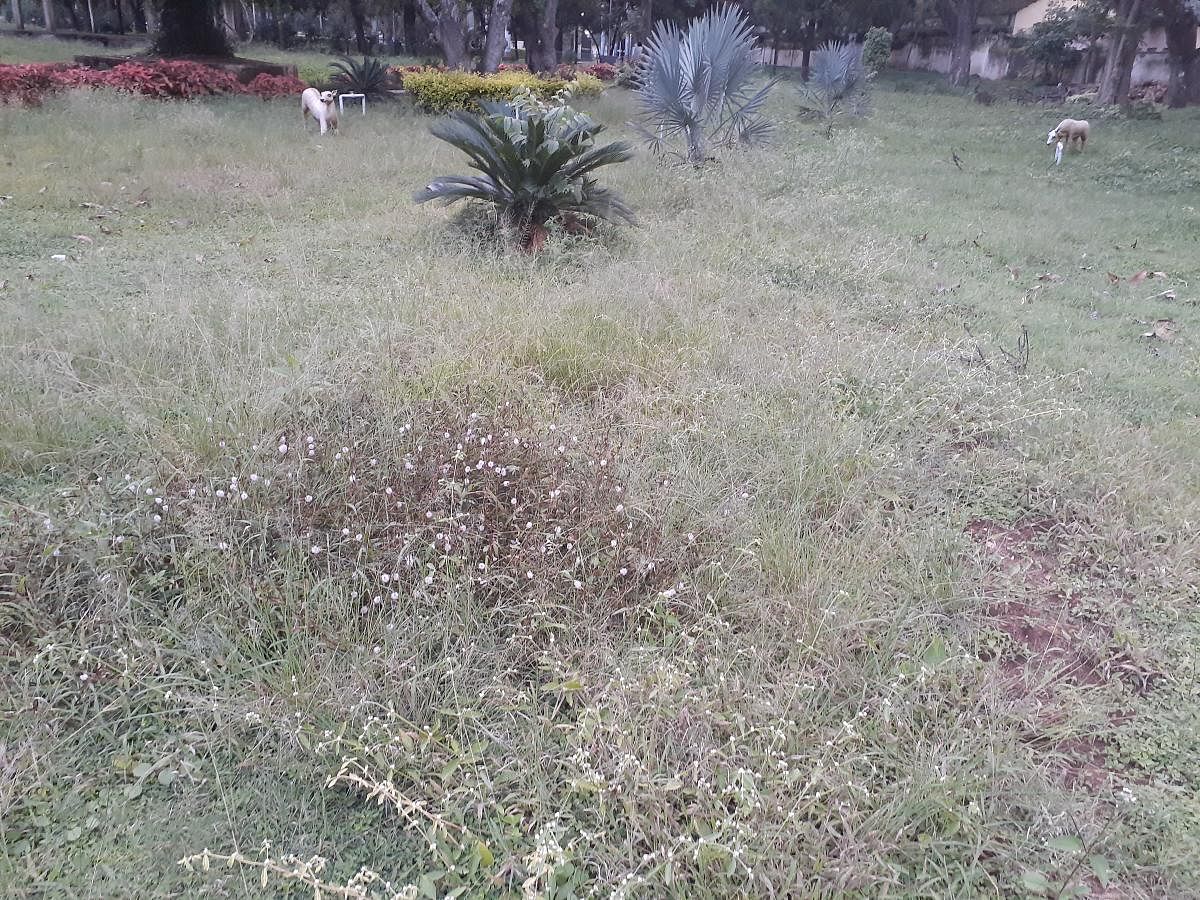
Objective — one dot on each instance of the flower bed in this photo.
(29, 85)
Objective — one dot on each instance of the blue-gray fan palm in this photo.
(702, 85)
(837, 82)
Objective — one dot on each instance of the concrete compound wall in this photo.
(990, 58)
(994, 57)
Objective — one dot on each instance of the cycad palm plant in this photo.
(837, 82)
(701, 85)
(368, 77)
(536, 165)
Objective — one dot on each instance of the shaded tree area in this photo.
(190, 28)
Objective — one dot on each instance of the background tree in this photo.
(1180, 20)
(782, 22)
(447, 20)
(1050, 43)
(1125, 35)
(542, 52)
(960, 18)
(496, 40)
(358, 14)
(189, 28)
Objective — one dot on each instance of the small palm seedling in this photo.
(536, 164)
(369, 77)
(838, 82)
(700, 85)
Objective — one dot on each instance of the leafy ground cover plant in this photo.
(537, 162)
(700, 85)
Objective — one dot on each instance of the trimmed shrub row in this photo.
(442, 91)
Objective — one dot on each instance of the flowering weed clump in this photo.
(530, 521)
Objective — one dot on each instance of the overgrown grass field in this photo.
(749, 552)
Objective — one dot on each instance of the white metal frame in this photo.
(342, 101)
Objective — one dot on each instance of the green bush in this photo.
(436, 91)
(314, 75)
(1050, 43)
(877, 49)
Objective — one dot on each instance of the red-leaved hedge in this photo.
(161, 79)
(271, 86)
(603, 71)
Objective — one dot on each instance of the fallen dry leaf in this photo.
(1164, 330)
(83, 238)
(1113, 278)
(1014, 272)
(1166, 295)
(3, 284)
(1158, 274)
(921, 237)
(1050, 276)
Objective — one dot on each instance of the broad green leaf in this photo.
(936, 653)
(1035, 881)
(1066, 843)
(486, 858)
(1102, 869)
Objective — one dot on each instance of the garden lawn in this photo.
(744, 552)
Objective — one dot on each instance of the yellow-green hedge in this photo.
(443, 91)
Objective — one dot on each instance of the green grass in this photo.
(793, 371)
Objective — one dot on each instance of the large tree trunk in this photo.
(1124, 39)
(359, 15)
(1182, 55)
(189, 28)
(959, 18)
(496, 41)
(138, 8)
(646, 21)
(449, 24)
(18, 16)
(48, 14)
(415, 31)
(544, 56)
